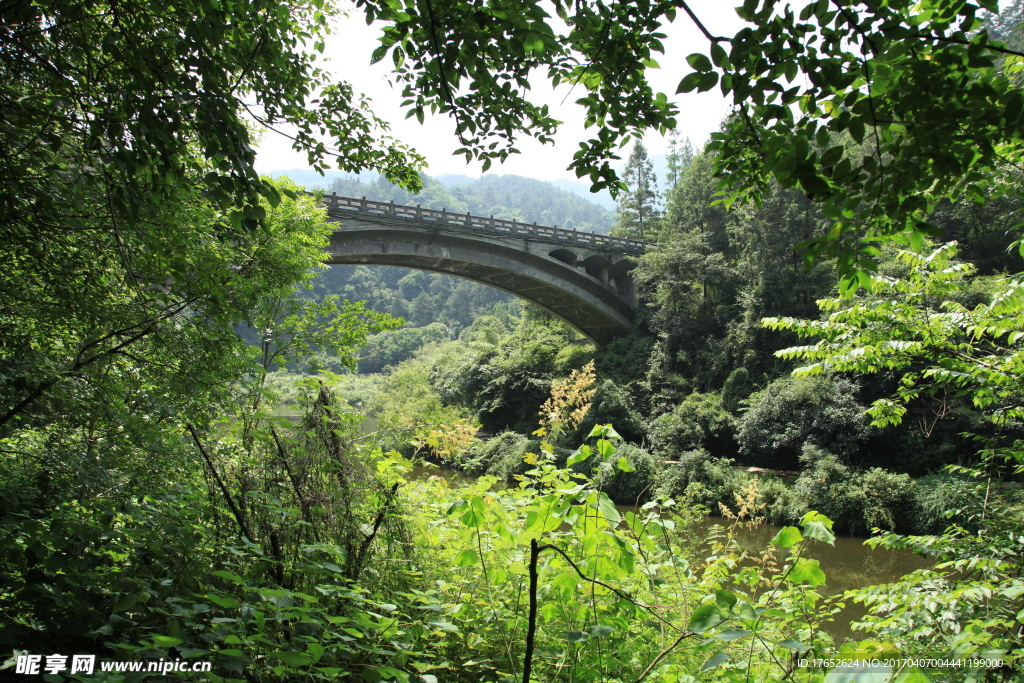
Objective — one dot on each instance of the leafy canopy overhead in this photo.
(875, 110)
(144, 95)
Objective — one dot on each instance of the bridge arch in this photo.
(587, 286)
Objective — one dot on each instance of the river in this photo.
(847, 565)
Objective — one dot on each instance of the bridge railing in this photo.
(469, 221)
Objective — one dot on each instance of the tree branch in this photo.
(242, 526)
(700, 25)
(664, 653)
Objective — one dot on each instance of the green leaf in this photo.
(704, 617)
(746, 611)
(581, 454)
(466, 558)
(913, 674)
(819, 532)
(718, 55)
(610, 433)
(699, 62)
(787, 537)
(234, 578)
(815, 516)
(807, 571)
(125, 603)
(794, 645)
(605, 449)
(166, 641)
(390, 672)
(832, 156)
(606, 507)
(718, 658)
(225, 601)
(707, 81)
(690, 82)
(604, 431)
(577, 636)
(443, 626)
(293, 659)
(600, 631)
(731, 634)
(624, 465)
(725, 600)
(533, 43)
(857, 130)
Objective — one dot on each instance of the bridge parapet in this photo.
(339, 206)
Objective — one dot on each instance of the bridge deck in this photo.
(341, 206)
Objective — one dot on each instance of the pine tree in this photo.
(639, 213)
(680, 156)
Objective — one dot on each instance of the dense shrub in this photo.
(737, 387)
(911, 450)
(711, 482)
(573, 357)
(939, 494)
(613, 404)
(626, 359)
(394, 346)
(702, 479)
(699, 422)
(857, 500)
(793, 411)
(501, 456)
(630, 488)
(506, 384)
(782, 505)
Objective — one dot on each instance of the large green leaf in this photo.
(579, 455)
(607, 508)
(819, 532)
(725, 600)
(718, 658)
(807, 571)
(293, 659)
(466, 557)
(787, 537)
(705, 617)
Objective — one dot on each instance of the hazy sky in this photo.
(353, 41)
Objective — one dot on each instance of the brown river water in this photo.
(847, 565)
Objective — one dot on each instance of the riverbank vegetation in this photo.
(211, 449)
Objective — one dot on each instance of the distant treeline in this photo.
(507, 196)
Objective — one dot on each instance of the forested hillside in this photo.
(509, 197)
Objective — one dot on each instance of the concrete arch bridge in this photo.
(582, 278)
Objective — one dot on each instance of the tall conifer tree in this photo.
(639, 213)
(680, 156)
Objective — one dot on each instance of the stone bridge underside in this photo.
(591, 289)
